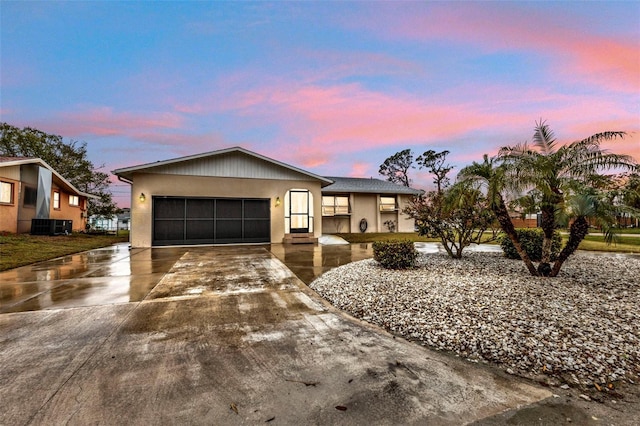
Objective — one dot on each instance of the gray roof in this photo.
(367, 185)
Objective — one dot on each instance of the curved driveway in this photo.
(216, 335)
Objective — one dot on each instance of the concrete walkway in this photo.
(223, 336)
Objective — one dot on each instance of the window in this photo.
(56, 200)
(30, 196)
(74, 200)
(387, 204)
(6, 192)
(334, 205)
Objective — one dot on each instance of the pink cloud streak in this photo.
(610, 62)
(104, 121)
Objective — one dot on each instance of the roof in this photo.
(127, 172)
(57, 177)
(367, 185)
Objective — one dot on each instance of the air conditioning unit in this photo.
(51, 226)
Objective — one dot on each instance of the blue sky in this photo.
(331, 87)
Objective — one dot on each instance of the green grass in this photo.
(624, 244)
(24, 249)
(591, 242)
(371, 237)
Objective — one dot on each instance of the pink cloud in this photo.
(104, 121)
(575, 52)
(361, 170)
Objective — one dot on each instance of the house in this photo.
(31, 189)
(238, 196)
(365, 205)
(114, 223)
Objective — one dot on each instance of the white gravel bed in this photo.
(582, 327)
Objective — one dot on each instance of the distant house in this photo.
(237, 196)
(365, 205)
(31, 189)
(116, 222)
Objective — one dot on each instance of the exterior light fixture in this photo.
(142, 197)
(277, 201)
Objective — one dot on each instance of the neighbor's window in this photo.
(30, 196)
(56, 200)
(74, 200)
(387, 204)
(6, 192)
(333, 205)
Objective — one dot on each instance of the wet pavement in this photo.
(218, 335)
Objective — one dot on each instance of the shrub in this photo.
(395, 254)
(531, 241)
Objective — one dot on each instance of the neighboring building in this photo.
(365, 205)
(526, 221)
(31, 189)
(117, 222)
(237, 196)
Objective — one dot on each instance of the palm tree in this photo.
(554, 170)
(494, 179)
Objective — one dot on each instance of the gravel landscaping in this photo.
(582, 327)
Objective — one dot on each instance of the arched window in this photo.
(298, 211)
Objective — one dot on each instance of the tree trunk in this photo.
(548, 225)
(578, 230)
(502, 214)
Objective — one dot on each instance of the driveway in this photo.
(216, 335)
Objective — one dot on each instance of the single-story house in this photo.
(238, 196)
(31, 189)
(117, 222)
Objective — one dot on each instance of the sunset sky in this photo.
(331, 87)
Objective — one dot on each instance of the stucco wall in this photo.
(67, 212)
(201, 186)
(405, 223)
(367, 206)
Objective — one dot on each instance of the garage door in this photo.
(186, 221)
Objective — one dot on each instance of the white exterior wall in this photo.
(202, 186)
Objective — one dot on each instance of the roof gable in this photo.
(233, 162)
(57, 177)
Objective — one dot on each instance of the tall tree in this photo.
(435, 163)
(68, 158)
(396, 168)
(559, 172)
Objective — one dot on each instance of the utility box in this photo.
(51, 226)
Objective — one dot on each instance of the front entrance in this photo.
(298, 212)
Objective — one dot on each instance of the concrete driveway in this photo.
(217, 335)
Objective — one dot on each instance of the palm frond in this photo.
(543, 138)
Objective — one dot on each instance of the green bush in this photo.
(531, 241)
(395, 254)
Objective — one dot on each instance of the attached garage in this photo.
(229, 196)
(186, 221)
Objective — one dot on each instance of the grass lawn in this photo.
(591, 242)
(624, 244)
(384, 236)
(24, 249)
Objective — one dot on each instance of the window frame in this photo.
(56, 200)
(384, 207)
(331, 210)
(77, 200)
(11, 192)
(33, 196)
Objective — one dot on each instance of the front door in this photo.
(299, 211)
